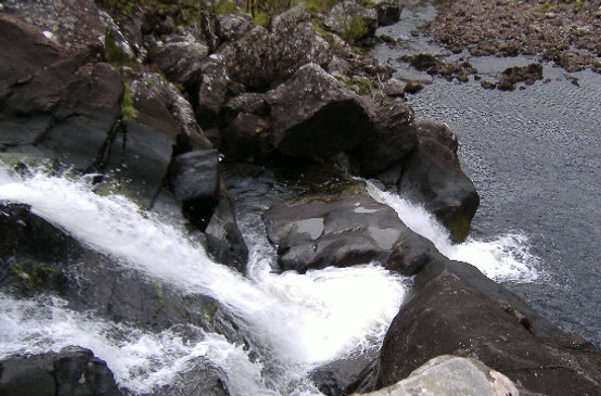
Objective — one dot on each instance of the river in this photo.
(534, 155)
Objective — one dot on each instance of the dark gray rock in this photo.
(38, 258)
(195, 181)
(432, 176)
(389, 11)
(260, 61)
(345, 230)
(232, 27)
(351, 21)
(314, 115)
(74, 371)
(393, 137)
(214, 90)
(200, 378)
(179, 56)
(448, 316)
(246, 137)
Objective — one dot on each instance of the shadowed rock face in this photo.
(343, 231)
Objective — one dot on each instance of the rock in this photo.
(450, 375)
(74, 371)
(200, 378)
(233, 26)
(436, 67)
(40, 258)
(195, 180)
(389, 12)
(246, 137)
(314, 115)
(392, 139)
(66, 106)
(259, 61)
(224, 239)
(341, 231)
(214, 90)
(180, 57)
(394, 87)
(351, 21)
(448, 316)
(512, 75)
(432, 176)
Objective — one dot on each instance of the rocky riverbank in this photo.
(168, 103)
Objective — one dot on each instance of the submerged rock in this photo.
(74, 371)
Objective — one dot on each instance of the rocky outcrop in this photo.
(314, 115)
(449, 375)
(341, 231)
(432, 176)
(351, 21)
(447, 315)
(73, 371)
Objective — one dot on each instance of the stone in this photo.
(448, 316)
(232, 27)
(433, 177)
(512, 75)
(314, 115)
(389, 12)
(394, 87)
(449, 375)
(341, 231)
(200, 378)
(259, 61)
(246, 137)
(351, 21)
(392, 139)
(180, 57)
(74, 371)
(214, 90)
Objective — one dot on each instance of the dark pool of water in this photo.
(535, 158)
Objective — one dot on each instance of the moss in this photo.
(33, 280)
(127, 104)
(226, 7)
(455, 222)
(355, 30)
(320, 6)
(114, 52)
(360, 85)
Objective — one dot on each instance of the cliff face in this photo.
(157, 107)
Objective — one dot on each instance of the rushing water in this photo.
(300, 321)
(534, 155)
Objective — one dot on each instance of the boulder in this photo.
(392, 139)
(389, 11)
(40, 258)
(180, 57)
(200, 378)
(73, 371)
(449, 316)
(314, 115)
(448, 375)
(351, 21)
(214, 90)
(432, 176)
(246, 137)
(259, 61)
(341, 231)
(232, 27)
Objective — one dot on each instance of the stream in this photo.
(534, 155)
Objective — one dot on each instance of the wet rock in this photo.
(200, 378)
(512, 75)
(259, 61)
(314, 115)
(74, 371)
(448, 316)
(432, 176)
(450, 375)
(351, 21)
(389, 11)
(195, 180)
(224, 239)
(40, 258)
(341, 231)
(436, 67)
(179, 56)
(392, 139)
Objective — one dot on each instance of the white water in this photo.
(301, 321)
(505, 258)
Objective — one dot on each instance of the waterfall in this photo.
(301, 321)
(504, 258)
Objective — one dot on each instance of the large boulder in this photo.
(341, 231)
(73, 371)
(314, 115)
(352, 21)
(449, 316)
(201, 377)
(215, 88)
(260, 61)
(39, 258)
(433, 177)
(449, 376)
